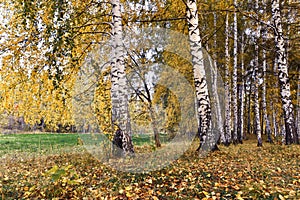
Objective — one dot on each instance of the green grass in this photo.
(52, 142)
(36, 142)
(144, 139)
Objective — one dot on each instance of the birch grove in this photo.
(254, 47)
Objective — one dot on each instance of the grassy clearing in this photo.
(235, 172)
(39, 143)
(53, 142)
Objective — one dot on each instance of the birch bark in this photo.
(227, 85)
(119, 90)
(234, 76)
(241, 96)
(283, 76)
(256, 85)
(207, 140)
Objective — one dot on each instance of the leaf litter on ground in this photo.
(235, 172)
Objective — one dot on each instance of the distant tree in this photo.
(257, 80)
(228, 124)
(267, 129)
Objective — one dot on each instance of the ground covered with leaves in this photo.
(236, 172)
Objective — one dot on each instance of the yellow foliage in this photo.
(102, 104)
(38, 71)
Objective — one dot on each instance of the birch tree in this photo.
(256, 83)
(241, 95)
(119, 90)
(227, 84)
(234, 75)
(283, 76)
(207, 140)
(50, 41)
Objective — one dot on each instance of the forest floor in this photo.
(242, 171)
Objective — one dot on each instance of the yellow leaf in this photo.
(238, 196)
(205, 193)
(128, 194)
(192, 187)
(279, 170)
(150, 192)
(128, 188)
(26, 194)
(155, 198)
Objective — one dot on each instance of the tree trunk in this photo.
(207, 140)
(227, 86)
(154, 127)
(275, 125)
(283, 75)
(264, 91)
(256, 85)
(241, 99)
(257, 116)
(234, 77)
(119, 90)
(215, 87)
(249, 113)
(298, 106)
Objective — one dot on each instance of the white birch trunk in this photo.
(249, 130)
(234, 77)
(241, 96)
(208, 142)
(256, 85)
(283, 75)
(119, 90)
(257, 114)
(227, 85)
